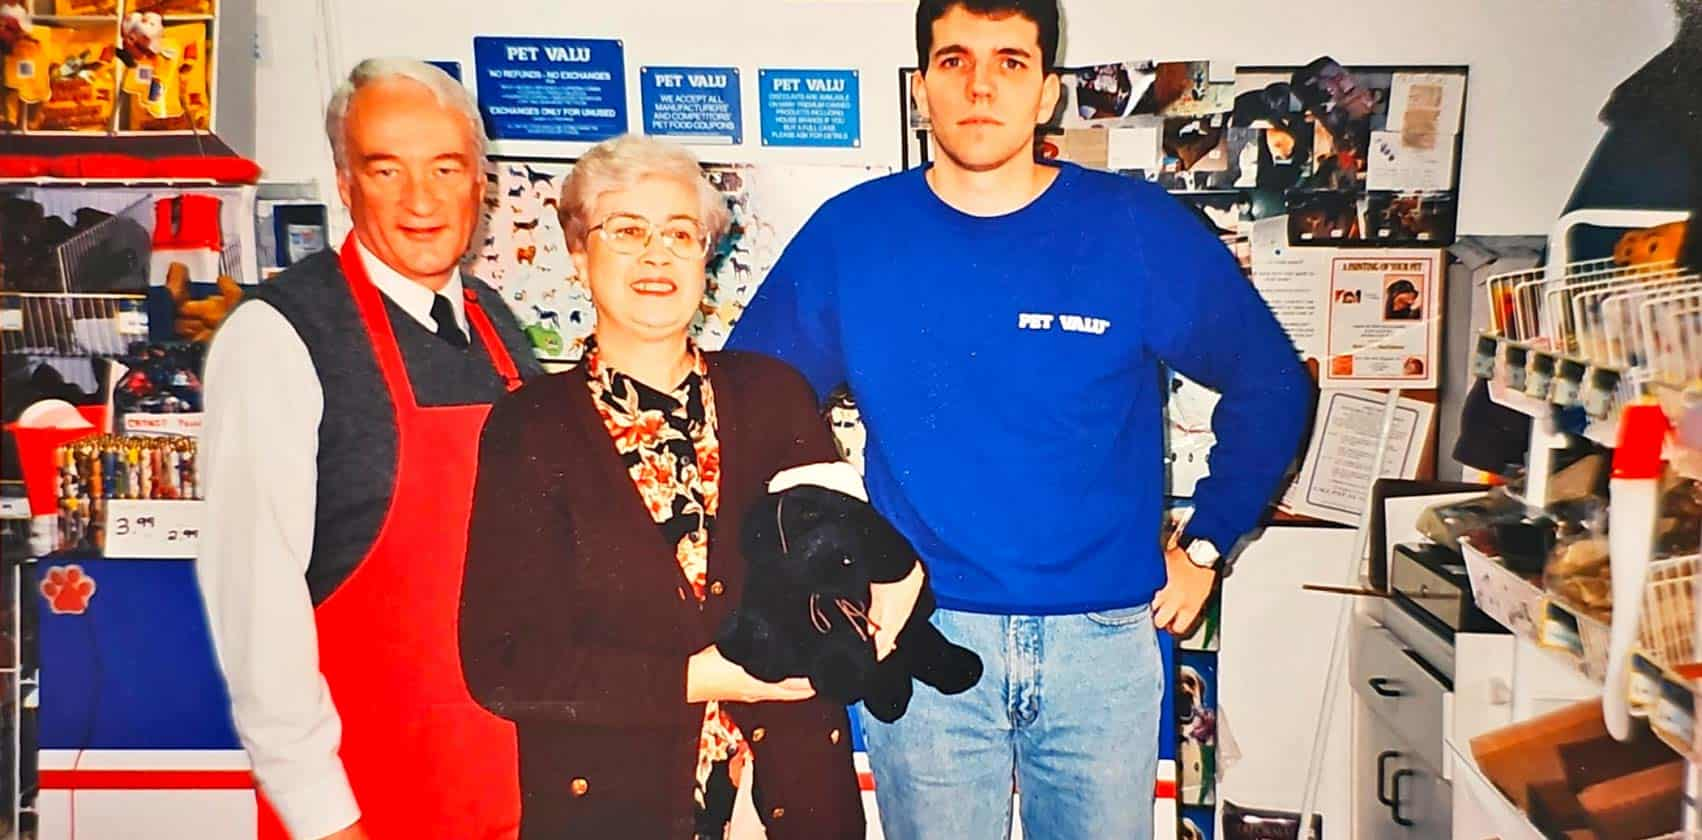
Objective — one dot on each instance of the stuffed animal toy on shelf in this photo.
(1662, 243)
(197, 320)
(812, 552)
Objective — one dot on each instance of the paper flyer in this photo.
(1383, 329)
(1294, 283)
(1336, 474)
(1395, 166)
(1426, 105)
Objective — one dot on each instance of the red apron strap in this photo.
(493, 343)
(378, 329)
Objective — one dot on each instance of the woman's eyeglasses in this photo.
(629, 234)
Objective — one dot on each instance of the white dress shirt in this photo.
(258, 467)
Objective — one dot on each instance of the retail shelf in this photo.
(1668, 700)
(107, 20)
(1603, 432)
(147, 183)
(1501, 818)
(1683, 451)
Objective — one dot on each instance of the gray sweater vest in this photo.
(357, 431)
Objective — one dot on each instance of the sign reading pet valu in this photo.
(815, 108)
(692, 104)
(571, 89)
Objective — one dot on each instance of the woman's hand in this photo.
(710, 676)
(890, 605)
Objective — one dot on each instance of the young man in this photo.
(1001, 324)
(344, 404)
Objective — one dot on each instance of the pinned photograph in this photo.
(1104, 93)
(1196, 155)
(1323, 218)
(1185, 89)
(1285, 154)
(1411, 218)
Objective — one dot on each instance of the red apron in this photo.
(424, 760)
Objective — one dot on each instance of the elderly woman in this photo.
(604, 549)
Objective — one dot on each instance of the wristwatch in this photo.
(1200, 552)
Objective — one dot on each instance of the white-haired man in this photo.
(344, 403)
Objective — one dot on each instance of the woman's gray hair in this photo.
(449, 93)
(622, 162)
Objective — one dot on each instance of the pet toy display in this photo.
(97, 470)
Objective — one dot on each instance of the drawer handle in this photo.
(1383, 775)
(1381, 685)
(1395, 806)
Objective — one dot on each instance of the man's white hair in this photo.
(621, 162)
(448, 92)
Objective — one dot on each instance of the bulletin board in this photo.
(1363, 156)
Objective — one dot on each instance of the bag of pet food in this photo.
(25, 74)
(82, 79)
(177, 97)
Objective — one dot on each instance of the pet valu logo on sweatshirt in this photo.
(1044, 321)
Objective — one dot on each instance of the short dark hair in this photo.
(1043, 13)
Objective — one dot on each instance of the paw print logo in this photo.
(68, 590)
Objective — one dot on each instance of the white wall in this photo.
(1540, 69)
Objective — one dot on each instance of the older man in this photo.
(344, 403)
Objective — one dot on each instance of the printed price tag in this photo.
(133, 323)
(183, 425)
(153, 529)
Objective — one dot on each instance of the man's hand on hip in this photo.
(1178, 605)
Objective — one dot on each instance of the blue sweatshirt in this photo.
(1008, 373)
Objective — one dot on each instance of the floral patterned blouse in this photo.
(669, 445)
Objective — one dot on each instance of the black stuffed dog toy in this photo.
(812, 553)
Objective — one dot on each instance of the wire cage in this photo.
(1669, 612)
(47, 324)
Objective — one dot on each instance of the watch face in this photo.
(1202, 553)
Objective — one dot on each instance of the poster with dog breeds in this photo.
(523, 254)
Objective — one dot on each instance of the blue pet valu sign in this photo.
(812, 108)
(571, 89)
(694, 104)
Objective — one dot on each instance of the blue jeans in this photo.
(1068, 709)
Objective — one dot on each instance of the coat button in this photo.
(580, 787)
(758, 734)
(717, 588)
(833, 737)
(777, 813)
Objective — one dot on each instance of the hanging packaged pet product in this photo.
(83, 81)
(24, 46)
(176, 97)
(142, 40)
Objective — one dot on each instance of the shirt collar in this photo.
(610, 378)
(413, 298)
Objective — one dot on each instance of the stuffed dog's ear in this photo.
(889, 555)
(833, 475)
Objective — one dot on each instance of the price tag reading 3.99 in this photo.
(153, 529)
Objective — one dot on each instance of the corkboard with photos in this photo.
(108, 66)
(1353, 156)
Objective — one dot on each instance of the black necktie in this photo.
(444, 314)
